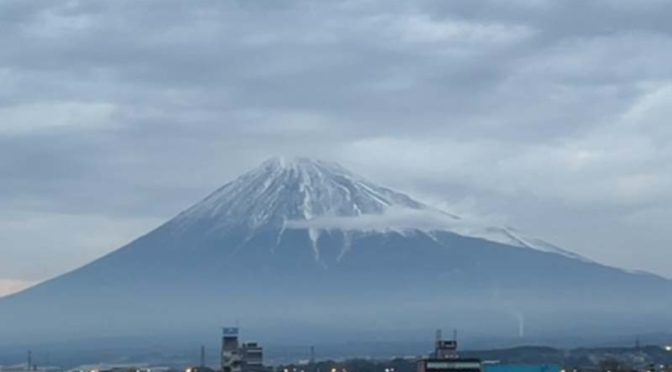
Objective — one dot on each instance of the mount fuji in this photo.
(305, 247)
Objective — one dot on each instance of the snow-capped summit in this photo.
(289, 189)
(318, 195)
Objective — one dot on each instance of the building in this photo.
(445, 349)
(446, 359)
(450, 365)
(231, 354)
(248, 357)
(522, 368)
(253, 357)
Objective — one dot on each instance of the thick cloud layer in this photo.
(548, 116)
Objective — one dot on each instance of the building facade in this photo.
(237, 357)
(231, 353)
(253, 357)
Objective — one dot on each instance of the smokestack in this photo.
(521, 325)
(202, 356)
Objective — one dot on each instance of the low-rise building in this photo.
(253, 357)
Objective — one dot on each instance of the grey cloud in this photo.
(394, 219)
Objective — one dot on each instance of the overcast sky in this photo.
(549, 116)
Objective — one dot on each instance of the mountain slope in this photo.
(304, 244)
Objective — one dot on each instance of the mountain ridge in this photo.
(310, 244)
(354, 195)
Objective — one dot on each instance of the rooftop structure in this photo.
(446, 359)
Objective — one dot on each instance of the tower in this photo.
(231, 355)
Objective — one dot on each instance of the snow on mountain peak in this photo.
(289, 189)
(303, 193)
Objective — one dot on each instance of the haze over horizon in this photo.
(548, 117)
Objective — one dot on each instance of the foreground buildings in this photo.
(445, 358)
(237, 357)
